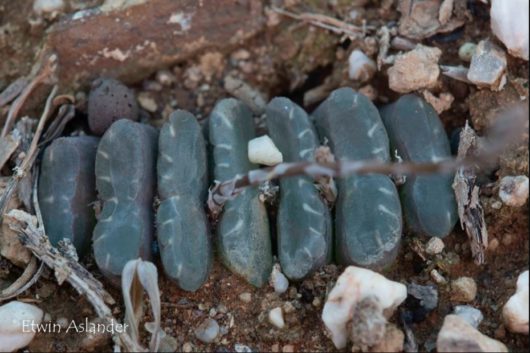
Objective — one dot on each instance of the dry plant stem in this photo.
(44, 75)
(470, 209)
(27, 162)
(13, 91)
(339, 169)
(325, 22)
(30, 275)
(507, 130)
(65, 268)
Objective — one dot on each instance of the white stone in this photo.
(509, 22)
(515, 311)
(360, 67)
(513, 190)
(471, 315)
(488, 66)
(353, 285)
(278, 281)
(48, 6)
(245, 297)
(457, 335)
(13, 318)
(466, 51)
(434, 246)
(262, 150)
(276, 317)
(207, 331)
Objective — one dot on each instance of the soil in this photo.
(290, 58)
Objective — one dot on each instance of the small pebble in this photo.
(488, 66)
(245, 297)
(187, 347)
(48, 6)
(110, 100)
(288, 307)
(426, 295)
(496, 205)
(513, 190)
(147, 102)
(415, 70)
(360, 67)
(262, 150)
(288, 348)
(466, 51)
(278, 281)
(276, 317)
(207, 331)
(493, 244)
(165, 77)
(463, 289)
(437, 277)
(241, 348)
(434, 246)
(472, 315)
(515, 311)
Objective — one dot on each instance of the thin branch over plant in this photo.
(508, 129)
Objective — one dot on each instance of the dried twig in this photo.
(29, 277)
(44, 75)
(26, 164)
(13, 91)
(66, 269)
(507, 129)
(326, 22)
(466, 189)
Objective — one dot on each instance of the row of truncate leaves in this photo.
(132, 161)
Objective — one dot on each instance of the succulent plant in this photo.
(417, 134)
(126, 181)
(303, 220)
(67, 190)
(368, 220)
(244, 242)
(182, 226)
(110, 100)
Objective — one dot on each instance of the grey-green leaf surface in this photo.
(417, 134)
(126, 182)
(368, 221)
(303, 220)
(67, 190)
(243, 234)
(182, 226)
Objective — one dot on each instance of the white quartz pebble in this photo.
(16, 322)
(262, 150)
(360, 67)
(515, 311)
(513, 190)
(509, 22)
(276, 317)
(354, 285)
(458, 335)
(278, 281)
